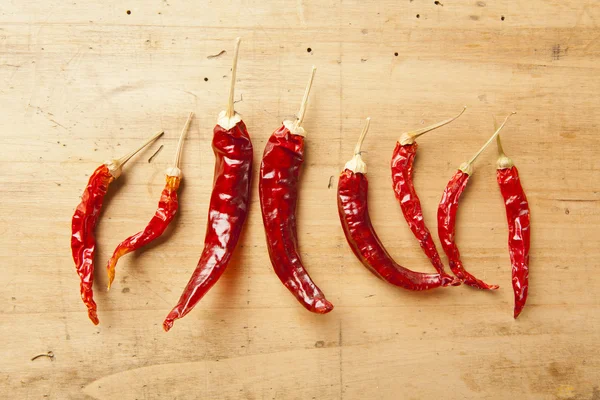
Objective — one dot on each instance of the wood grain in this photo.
(84, 81)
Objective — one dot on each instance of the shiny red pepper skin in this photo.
(83, 239)
(446, 229)
(226, 215)
(278, 192)
(402, 178)
(356, 223)
(167, 208)
(518, 216)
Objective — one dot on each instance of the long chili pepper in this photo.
(402, 178)
(83, 239)
(518, 216)
(354, 214)
(447, 218)
(228, 204)
(167, 208)
(278, 192)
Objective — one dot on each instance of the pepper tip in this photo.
(93, 317)
(322, 306)
(517, 312)
(167, 324)
(449, 280)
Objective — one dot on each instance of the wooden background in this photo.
(85, 80)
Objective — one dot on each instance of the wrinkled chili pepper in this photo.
(278, 192)
(85, 218)
(167, 208)
(228, 204)
(518, 216)
(402, 178)
(354, 215)
(447, 218)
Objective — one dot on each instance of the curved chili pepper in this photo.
(83, 225)
(278, 191)
(354, 215)
(447, 218)
(167, 208)
(228, 204)
(518, 216)
(402, 171)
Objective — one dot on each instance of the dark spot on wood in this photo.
(437, 3)
(319, 344)
(363, 60)
(556, 370)
(155, 153)
(558, 52)
(216, 55)
(418, 15)
(308, 50)
(474, 17)
(396, 54)
(330, 182)
(567, 211)
(481, 4)
(364, 31)
(128, 12)
(205, 79)
(125, 290)
(502, 18)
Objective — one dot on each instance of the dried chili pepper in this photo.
(402, 178)
(354, 215)
(518, 216)
(228, 204)
(278, 192)
(447, 218)
(83, 239)
(167, 208)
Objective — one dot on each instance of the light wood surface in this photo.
(84, 81)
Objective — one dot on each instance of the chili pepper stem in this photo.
(294, 127)
(230, 110)
(175, 171)
(409, 137)
(115, 167)
(228, 118)
(302, 112)
(503, 160)
(356, 164)
(467, 167)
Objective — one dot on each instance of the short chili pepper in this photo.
(447, 218)
(402, 179)
(228, 204)
(278, 192)
(85, 218)
(167, 208)
(518, 216)
(354, 215)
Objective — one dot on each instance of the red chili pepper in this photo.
(356, 223)
(518, 216)
(279, 173)
(402, 171)
(228, 204)
(167, 208)
(83, 239)
(447, 218)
